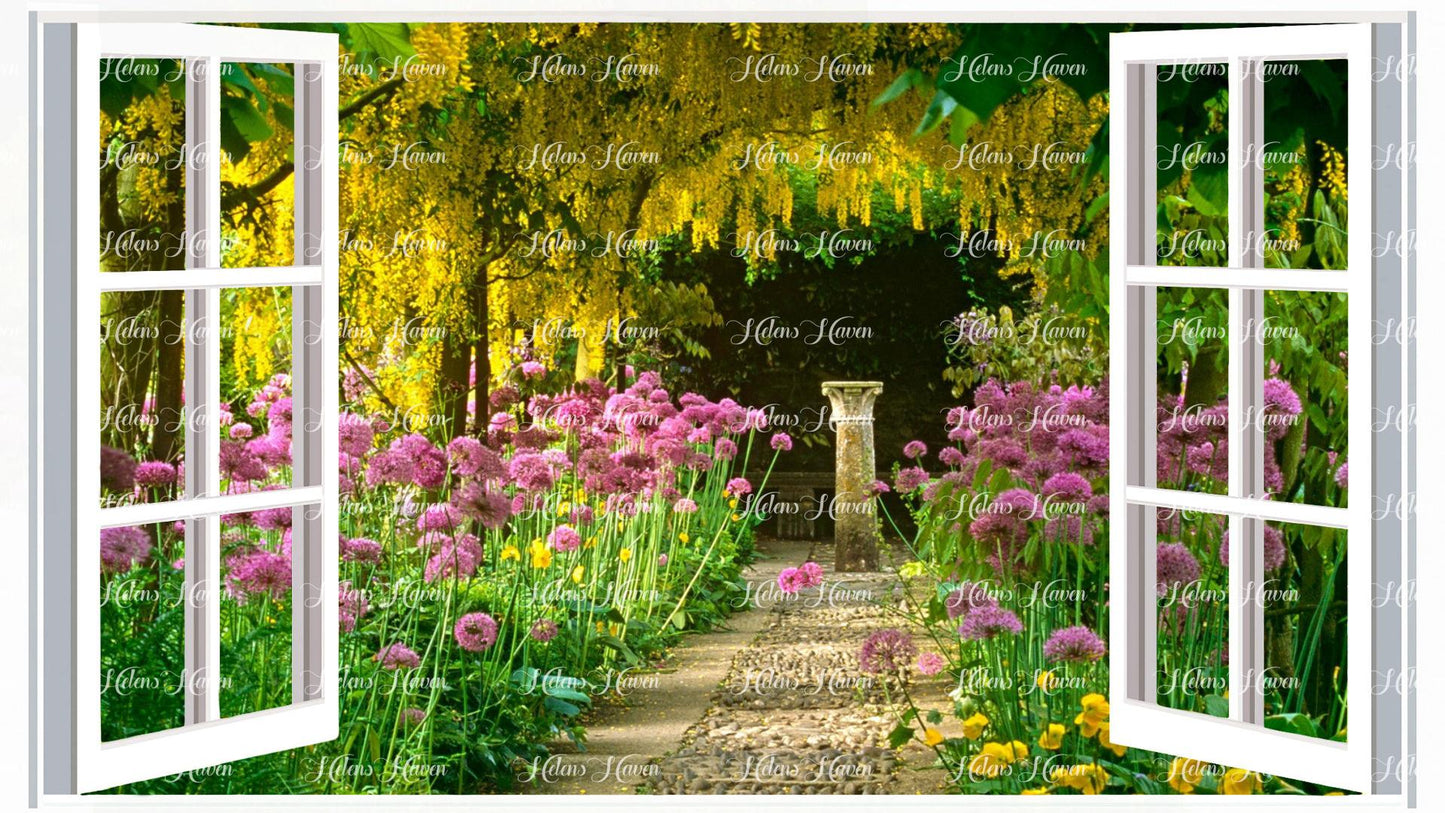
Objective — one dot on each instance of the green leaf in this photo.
(900, 735)
(905, 82)
(1216, 705)
(561, 707)
(1293, 723)
(380, 41)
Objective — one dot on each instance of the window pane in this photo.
(142, 627)
(256, 609)
(1193, 375)
(142, 398)
(257, 154)
(142, 164)
(1305, 419)
(255, 388)
(1306, 198)
(1193, 611)
(1303, 598)
(1192, 162)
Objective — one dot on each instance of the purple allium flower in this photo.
(360, 549)
(531, 472)
(120, 548)
(782, 442)
(544, 630)
(982, 623)
(241, 431)
(950, 456)
(532, 369)
(739, 487)
(930, 663)
(258, 572)
(353, 605)
(457, 559)
(968, 596)
(117, 469)
(1174, 565)
(684, 506)
(1074, 644)
(413, 716)
(443, 517)
(155, 474)
(662, 560)
(910, 479)
(886, 650)
(490, 508)
(1274, 549)
(476, 632)
(1068, 486)
(914, 449)
(355, 434)
(564, 538)
(397, 656)
(879, 487)
(1342, 475)
(725, 449)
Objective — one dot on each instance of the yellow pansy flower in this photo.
(1086, 779)
(1052, 737)
(540, 553)
(1239, 782)
(1095, 713)
(1184, 774)
(973, 727)
(511, 552)
(1105, 741)
(991, 761)
(625, 554)
(932, 737)
(577, 573)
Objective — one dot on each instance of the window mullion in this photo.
(1246, 391)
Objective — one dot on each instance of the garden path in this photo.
(774, 704)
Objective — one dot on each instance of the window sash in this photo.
(1137, 719)
(206, 738)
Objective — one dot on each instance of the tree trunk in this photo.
(170, 362)
(482, 354)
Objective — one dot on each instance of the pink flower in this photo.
(739, 487)
(475, 632)
(532, 369)
(564, 538)
(397, 656)
(914, 449)
(781, 442)
(930, 663)
(544, 630)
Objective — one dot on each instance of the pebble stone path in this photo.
(792, 713)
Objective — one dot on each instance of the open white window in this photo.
(1234, 670)
(201, 501)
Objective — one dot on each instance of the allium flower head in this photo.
(155, 474)
(475, 632)
(914, 449)
(120, 548)
(117, 469)
(397, 656)
(1174, 565)
(684, 506)
(1075, 645)
(930, 663)
(910, 479)
(886, 650)
(544, 630)
(985, 622)
(565, 538)
(739, 487)
(781, 442)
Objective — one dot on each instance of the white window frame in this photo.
(1379, 516)
(76, 761)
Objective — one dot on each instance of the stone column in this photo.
(855, 531)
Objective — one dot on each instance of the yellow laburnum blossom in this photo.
(1239, 782)
(973, 727)
(1107, 743)
(1184, 774)
(1095, 713)
(932, 737)
(991, 761)
(1087, 779)
(1052, 737)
